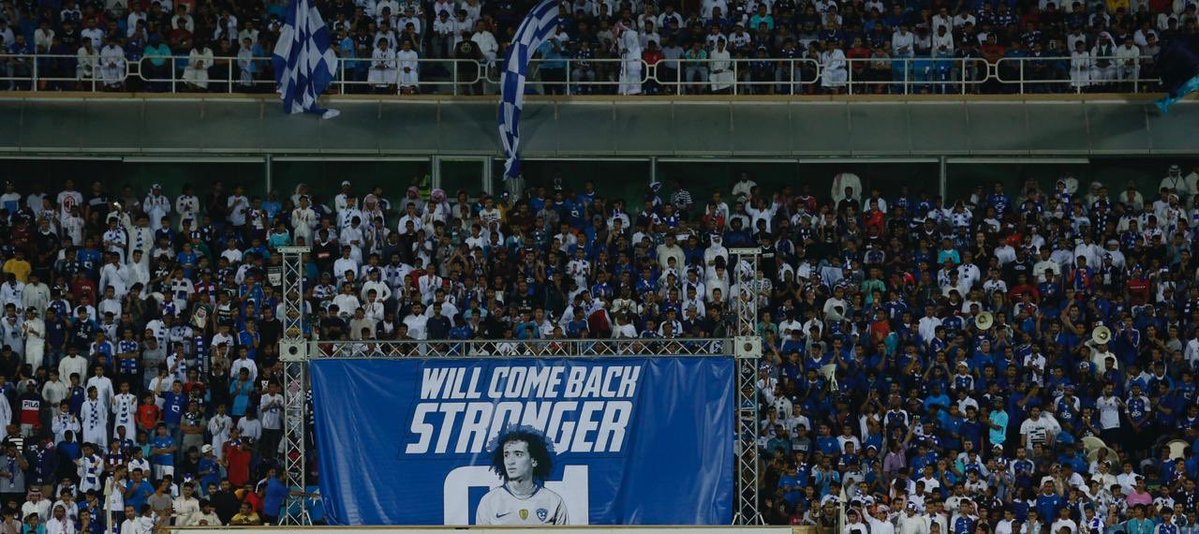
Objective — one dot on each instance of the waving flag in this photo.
(1178, 66)
(305, 64)
(541, 22)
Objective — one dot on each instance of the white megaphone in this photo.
(984, 321)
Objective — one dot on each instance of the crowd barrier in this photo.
(786, 76)
(504, 530)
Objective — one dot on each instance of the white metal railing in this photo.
(219, 74)
(939, 75)
(355, 74)
(1080, 73)
(517, 348)
(578, 76)
(38, 72)
(910, 75)
(786, 76)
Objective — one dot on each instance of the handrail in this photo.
(579, 75)
(235, 74)
(906, 75)
(786, 74)
(452, 348)
(429, 72)
(45, 69)
(1079, 73)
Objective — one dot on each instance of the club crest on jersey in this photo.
(542, 513)
(524, 514)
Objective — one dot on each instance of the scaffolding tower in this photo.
(293, 352)
(747, 349)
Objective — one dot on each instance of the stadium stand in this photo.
(1008, 359)
(927, 361)
(770, 47)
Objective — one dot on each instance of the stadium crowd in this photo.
(140, 371)
(1087, 44)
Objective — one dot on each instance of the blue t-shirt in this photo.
(972, 431)
(162, 442)
(128, 366)
(56, 336)
(172, 407)
(998, 435)
(209, 471)
(963, 525)
(276, 493)
(78, 395)
(791, 488)
(1049, 505)
(90, 258)
(1137, 409)
(828, 445)
(1020, 507)
(141, 492)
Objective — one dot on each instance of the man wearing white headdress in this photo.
(1103, 56)
(629, 44)
(846, 180)
(715, 249)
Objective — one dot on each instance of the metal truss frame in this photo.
(744, 344)
(293, 352)
(747, 348)
(566, 348)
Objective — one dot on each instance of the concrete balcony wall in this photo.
(741, 127)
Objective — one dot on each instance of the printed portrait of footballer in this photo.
(523, 460)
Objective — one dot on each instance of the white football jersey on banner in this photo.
(500, 507)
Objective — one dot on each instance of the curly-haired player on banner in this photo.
(523, 459)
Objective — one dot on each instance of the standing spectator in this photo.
(199, 59)
(163, 449)
(383, 66)
(721, 68)
(94, 417)
(112, 64)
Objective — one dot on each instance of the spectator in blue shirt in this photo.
(162, 452)
(174, 402)
(276, 495)
(1048, 501)
(137, 490)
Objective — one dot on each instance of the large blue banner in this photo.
(619, 440)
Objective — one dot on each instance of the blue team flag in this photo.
(304, 61)
(537, 26)
(1178, 67)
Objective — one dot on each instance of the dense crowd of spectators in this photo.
(1087, 45)
(140, 375)
(139, 382)
(941, 365)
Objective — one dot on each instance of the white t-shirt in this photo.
(1109, 412)
(1004, 527)
(416, 326)
(1037, 430)
(930, 485)
(1064, 523)
(250, 428)
(501, 507)
(271, 411)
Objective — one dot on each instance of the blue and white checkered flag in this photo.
(537, 27)
(304, 61)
